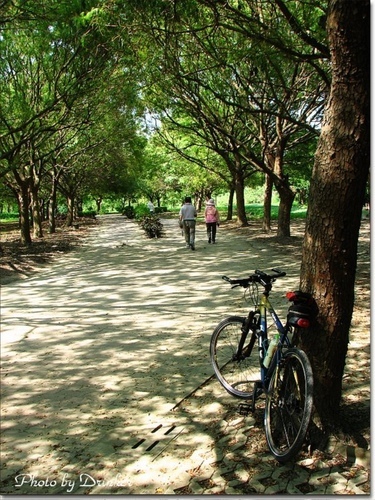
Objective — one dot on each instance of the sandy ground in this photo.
(105, 348)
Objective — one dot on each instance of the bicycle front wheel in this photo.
(289, 405)
(236, 372)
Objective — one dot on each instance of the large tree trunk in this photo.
(35, 209)
(35, 201)
(230, 204)
(240, 198)
(239, 185)
(98, 202)
(23, 207)
(287, 196)
(281, 181)
(52, 206)
(21, 188)
(267, 203)
(70, 213)
(335, 201)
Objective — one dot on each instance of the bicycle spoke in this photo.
(236, 371)
(288, 406)
(283, 427)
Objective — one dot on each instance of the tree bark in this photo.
(239, 186)
(23, 206)
(287, 196)
(98, 202)
(70, 213)
(267, 204)
(52, 206)
(240, 198)
(21, 188)
(230, 204)
(35, 208)
(335, 201)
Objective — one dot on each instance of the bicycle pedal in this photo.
(245, 409)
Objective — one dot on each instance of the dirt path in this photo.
(101, 348)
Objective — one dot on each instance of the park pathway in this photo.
(106, 380)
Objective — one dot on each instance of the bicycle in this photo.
(275, 368)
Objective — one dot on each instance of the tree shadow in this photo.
(113, 338)
(354, 423)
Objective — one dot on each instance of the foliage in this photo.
(75, 97)
(88, 213)
(257, 211)
(236, 95)
(141, 210)
(9, 216)
(129, 212)
(160, 210)
(152, 226)
(70, 108)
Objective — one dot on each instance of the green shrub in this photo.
(129, 212)
(87, 213)
(141, 211)
(160, 210)
(9, 216)
(152, 226)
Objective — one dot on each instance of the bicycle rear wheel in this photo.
(236, 374)
(289, 405)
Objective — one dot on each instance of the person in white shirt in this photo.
(188, 215)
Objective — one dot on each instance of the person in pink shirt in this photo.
(212, 219)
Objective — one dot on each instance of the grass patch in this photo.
(255, 211)
(9, 217)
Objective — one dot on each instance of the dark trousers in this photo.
(211, 231)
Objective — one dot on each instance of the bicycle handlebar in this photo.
(258, 277)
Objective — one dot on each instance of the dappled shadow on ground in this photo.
(100, 347)
(21, 261)
(355, 421)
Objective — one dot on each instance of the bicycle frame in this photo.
(264, 306)
(262, 336)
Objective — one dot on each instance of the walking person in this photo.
(151, 207)
(212, 219)
(188, 215)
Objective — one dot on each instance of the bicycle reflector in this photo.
(299, 315)
(301, 322)
(304, 309)
(298, 296)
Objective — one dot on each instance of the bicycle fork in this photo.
(246, 327)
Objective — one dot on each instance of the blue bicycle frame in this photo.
(265, 305)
